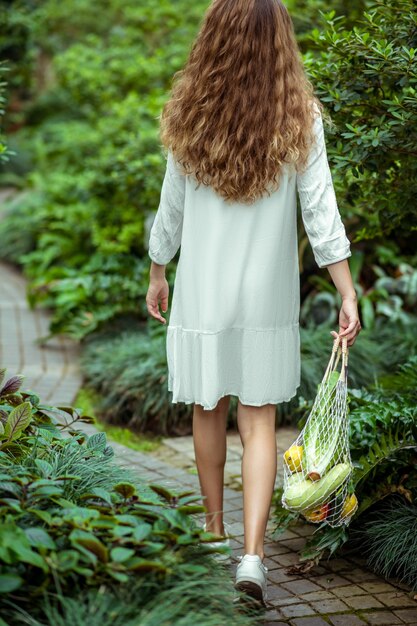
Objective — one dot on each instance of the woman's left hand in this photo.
(158, 291)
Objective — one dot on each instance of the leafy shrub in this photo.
(390, 297)
(71, 520)
(128, 369)
(181, 601)
(97, 165)
(366, 74)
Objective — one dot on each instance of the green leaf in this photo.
(194, 570)
(367, 311)
(137, 564)
(98, 492)
(97, 442)
(8, 583)
(141, 532)
(44, 467)
(120, 555)
(13, 449)
(388, 445)
(67, 560)
(127, 490)
(119, 576)
(191, 509)
(161, 491)
(90, 542)
(48, 491)
(19, 419)
(39, 538)
(45, 516)
(27, 555)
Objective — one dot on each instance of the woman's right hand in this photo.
(158, 291)
(349, 323)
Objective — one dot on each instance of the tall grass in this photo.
(388, 538)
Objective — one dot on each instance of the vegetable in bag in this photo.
(317, 466)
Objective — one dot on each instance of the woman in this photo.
(244, 133)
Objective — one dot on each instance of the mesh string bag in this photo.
(317, 466)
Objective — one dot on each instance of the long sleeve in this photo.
(166, 230)
(319, 209)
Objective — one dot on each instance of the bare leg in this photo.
(259, 467)
(209, 434)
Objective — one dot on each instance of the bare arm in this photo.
(165, 238)
(326, 231)
(349, 324)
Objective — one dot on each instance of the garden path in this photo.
(51, 369)
(340, 592)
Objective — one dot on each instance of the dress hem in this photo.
(231, 393)
(254, 329)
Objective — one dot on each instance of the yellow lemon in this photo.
(293, 458)
(349, 505)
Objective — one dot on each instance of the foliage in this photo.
(89, 399)
(128, 370)
(390, 297)
(97, 166)
(4, 153)
(72, 519)
(388, 539)
(381, 348)
(366, 74)
(307, 15)
(181, 602)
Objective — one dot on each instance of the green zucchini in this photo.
(302, 494)
(320, 443)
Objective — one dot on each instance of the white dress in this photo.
(233, 327)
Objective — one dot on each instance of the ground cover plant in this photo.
(77, 530)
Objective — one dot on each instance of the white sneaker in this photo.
(220, 556)
(251, 577)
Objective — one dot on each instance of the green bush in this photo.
(71, 520)
(366, 75)
(97, 166)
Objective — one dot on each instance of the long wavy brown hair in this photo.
(242, 105)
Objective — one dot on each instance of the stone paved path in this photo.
(52, 370)
(339, 592)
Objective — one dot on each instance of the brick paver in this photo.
(338, 592)
(50, 370)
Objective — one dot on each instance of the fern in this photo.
(389, 444)
(404, 381)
